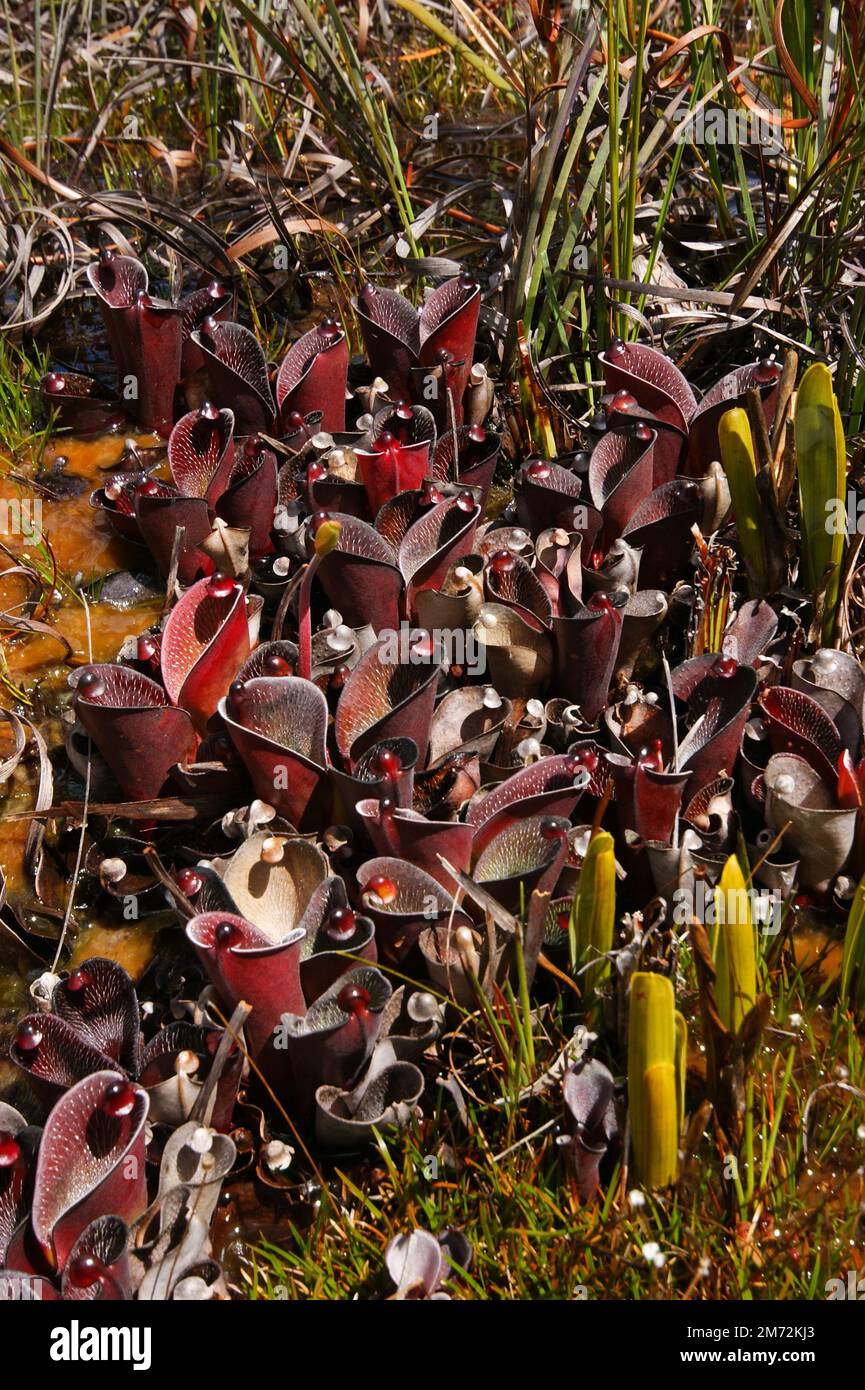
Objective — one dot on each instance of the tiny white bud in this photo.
(463, 940)
(202, 1140)
(278, 1156)
(112, 870)
(272, 850)
(186, 1063)
(529, 750)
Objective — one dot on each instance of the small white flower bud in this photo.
(202, 1140)
(112, 870)
(272, 850)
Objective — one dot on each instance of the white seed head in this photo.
(653, 1255)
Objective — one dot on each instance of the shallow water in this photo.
(85, 549)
